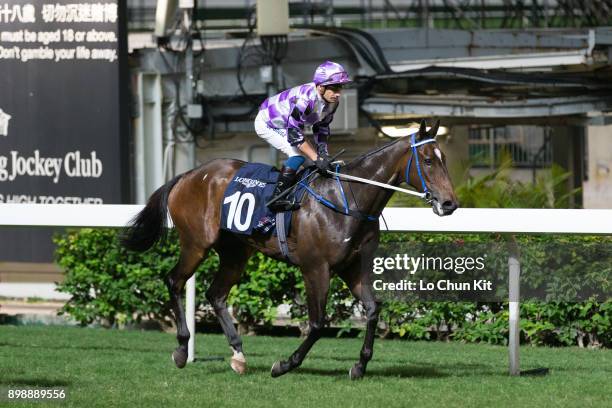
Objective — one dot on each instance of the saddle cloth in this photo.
(243, 209)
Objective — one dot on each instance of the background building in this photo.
(531, 79)
(528, 78)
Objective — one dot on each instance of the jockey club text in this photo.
(74, 164)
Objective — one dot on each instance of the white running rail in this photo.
(464, 220)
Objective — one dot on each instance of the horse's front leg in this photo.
(356, 277)
(372, 309)
(316, 281)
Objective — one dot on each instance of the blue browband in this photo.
(414, 144)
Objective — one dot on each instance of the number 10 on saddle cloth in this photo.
(243, 209)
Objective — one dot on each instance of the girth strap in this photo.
(281, 234)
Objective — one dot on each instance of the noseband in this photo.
(414, 144)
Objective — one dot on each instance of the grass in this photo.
(128, 368)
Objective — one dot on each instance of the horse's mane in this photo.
(357, 160)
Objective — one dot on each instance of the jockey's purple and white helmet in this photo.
(330, 73)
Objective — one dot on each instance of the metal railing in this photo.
(487, 145)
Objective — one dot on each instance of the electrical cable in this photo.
(369, 39)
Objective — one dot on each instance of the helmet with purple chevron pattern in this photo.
(331, 73)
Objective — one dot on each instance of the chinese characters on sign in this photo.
(61, 13)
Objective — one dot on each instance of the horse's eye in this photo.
(427, 161)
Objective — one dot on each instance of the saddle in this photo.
(244, 208)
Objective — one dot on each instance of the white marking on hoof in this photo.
(239, 356)
(238, 363)
(276, 363)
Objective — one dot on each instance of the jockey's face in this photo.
(330, 93)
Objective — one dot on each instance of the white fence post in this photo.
(514, 275)
(190, 290)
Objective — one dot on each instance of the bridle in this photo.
(427, 196)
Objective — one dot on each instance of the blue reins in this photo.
(346, 210)
(327, 203)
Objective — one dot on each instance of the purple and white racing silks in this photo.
(295, 108)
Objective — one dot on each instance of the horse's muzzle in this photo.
(446, 207)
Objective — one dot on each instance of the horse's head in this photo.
(426, 171)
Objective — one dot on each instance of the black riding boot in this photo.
(286, 179)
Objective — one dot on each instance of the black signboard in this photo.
(62, 110)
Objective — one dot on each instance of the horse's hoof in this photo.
(277, 370)
(238, 365)
(179, 357)
(355, 373)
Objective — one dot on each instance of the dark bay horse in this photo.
(322, 242)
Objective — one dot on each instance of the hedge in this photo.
(112, 286)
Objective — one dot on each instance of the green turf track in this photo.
(110, 368)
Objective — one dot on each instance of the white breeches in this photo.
(275, 137)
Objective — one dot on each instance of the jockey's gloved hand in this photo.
(323, 164)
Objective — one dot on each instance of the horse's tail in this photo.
(150, 225)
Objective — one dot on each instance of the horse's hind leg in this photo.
(233, 256)
(189, 260)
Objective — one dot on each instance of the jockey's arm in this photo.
(296, 138)
(295, 128)
(321, 132)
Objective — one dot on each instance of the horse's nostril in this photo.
(448, 205)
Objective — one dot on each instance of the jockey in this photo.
(282, 117)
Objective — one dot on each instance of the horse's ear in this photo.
(423, 129)
(434, 130)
